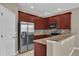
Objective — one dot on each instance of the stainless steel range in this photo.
(26, 36)
(54, 28)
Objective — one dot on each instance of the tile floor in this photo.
(75, 53)
(31, 53)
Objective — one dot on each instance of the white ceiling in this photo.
(46, 9)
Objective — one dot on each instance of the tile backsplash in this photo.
(39, 32)
(47, 32)
(65, 30)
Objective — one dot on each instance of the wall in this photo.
(13, 7)
(75, 24)
(61, 48)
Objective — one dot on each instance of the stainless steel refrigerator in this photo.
(26, 36)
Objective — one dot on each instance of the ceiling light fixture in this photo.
(31, 7)
(59, 9)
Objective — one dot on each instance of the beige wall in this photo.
(14, 8)
(75, 24)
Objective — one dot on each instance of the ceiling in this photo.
(46, 9)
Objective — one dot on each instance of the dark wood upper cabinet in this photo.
(24, 17)
(39, 22)
(46, 23)
(63, 20)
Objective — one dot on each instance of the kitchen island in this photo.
(54, 45)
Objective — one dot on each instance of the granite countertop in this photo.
(53, 38)
(42, 41)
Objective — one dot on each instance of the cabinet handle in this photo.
(1, 13)
(1, 36)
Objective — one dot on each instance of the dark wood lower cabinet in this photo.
(39, 49)
(40, 36)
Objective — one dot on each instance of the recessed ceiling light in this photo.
(31, 7)
(59, 9)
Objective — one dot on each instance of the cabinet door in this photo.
(62, 22)
(46, 24)
(39, 49)
(21, 16)
(68, 21)
(51, 20)
(57, 19)
(8, 32)
(41, 23)
(36, 22)
(65, 21)
(31, 19)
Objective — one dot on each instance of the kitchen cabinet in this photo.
(40, 36)
(7, 32)
(39, 49)
(22, 16)
(52, 20)
(46, 23)
(63, 20)
(25, 17)
(39, 22)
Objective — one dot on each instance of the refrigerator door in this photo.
(30, 36)
(23, 37)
